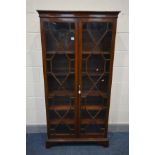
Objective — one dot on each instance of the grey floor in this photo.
(119, 145)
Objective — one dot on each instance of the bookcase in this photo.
(77, 54)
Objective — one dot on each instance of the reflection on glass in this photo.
(59, 36)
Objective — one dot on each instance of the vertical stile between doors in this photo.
(80, 73)
(77, 75)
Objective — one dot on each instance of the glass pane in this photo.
(60, 59)
(95, 76)
(59, 36)
(97, 37)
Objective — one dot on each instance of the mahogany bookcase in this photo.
(78, 53)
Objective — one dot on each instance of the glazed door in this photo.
(61, 71)
(77, 62)
(96, 46)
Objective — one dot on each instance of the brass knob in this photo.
(79, 92)
(102, 80)
(97, 69)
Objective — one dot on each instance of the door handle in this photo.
(79, 91)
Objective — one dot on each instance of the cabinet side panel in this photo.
(111, 70)
(44, 71)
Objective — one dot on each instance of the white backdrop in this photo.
(119, 110)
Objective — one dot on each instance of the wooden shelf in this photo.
(61, 73)
(60, 52)
(73, 52)
(94, 93)
(92, 133)
(96, 52)
(60, 93)
(63, 121)
(70, 93)
(83, 107)
(85, 121)
(92, 107)
(61, 107)
(91, 121)
(83, 93)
